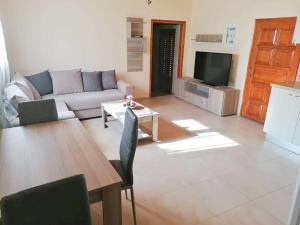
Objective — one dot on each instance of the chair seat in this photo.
(118, 167)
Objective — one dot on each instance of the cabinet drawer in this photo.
(202, 102)
(186, 96)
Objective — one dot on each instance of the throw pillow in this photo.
(16, 95)
(109, 80)
(26, 87)
(66, 82)
(15, 101)
(42, 82)
(92, 81)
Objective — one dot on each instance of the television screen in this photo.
(213, 68)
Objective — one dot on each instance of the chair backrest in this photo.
(37, 112)
(128, 144)
(63, 202)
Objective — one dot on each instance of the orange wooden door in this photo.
(273, 58)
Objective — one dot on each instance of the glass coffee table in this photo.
(117, 110)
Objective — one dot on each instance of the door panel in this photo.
(166, 58)
(273, 59)
(163, 60)
(254, 108)
(264, 55)
(282, 57)
(284, 37)
(266, 37)
(269, 75)
(259, 92)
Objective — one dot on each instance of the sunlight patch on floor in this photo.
(190, 125)
(201, 142)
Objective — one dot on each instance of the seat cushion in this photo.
(88, 100)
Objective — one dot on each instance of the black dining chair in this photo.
(127, 151)
(61, 202)
(37, 112)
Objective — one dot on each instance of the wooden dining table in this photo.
(38, 154)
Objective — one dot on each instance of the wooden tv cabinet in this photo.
(221, 100)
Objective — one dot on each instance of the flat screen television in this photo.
(213, 68)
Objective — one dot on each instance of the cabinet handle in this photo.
(293, 95)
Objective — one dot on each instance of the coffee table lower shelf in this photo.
(117, 110)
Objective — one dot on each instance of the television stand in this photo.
(220, 100)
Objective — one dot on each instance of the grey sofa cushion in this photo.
(42, 82)
(109, 80)
(66, 82)
(92, 81)
(33, 112)
(62, 111)
(88, 100)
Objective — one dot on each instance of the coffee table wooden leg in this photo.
(155, 128)
(112, 208)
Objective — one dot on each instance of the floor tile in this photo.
(204, 170)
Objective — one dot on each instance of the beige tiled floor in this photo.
(205, 170)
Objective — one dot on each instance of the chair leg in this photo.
(133, 204)
(126, 194)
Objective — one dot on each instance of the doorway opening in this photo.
(167, 47)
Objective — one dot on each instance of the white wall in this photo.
(89, 34)
(213, 16)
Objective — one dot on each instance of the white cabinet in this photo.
(216, 101)
(219, 100)
(283, 112)
(296, 138)
(282, 121)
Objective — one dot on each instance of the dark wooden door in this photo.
(164, 59)
(273, 58)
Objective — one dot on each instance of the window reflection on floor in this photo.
(201, 141)
(190, 125)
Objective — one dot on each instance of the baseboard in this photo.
(289, 146)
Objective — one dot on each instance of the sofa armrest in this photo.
(125, 88)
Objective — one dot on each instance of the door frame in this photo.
(182, 25)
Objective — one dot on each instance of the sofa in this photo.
(77, 94)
